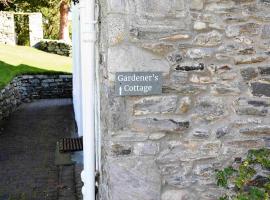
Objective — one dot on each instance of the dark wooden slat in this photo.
(71, 144)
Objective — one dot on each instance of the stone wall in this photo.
(55, 46)
(214, 56)
(7, 28)
(26, 88)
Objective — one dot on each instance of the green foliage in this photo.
(51, 20)
(224, 198)
(22, 30)
(29, 5)
(261, 156)
(223, 175)
(248, 184)
(254, 194)
(245, 173)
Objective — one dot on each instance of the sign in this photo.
(138, 83)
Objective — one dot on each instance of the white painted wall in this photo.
(86, 90)
(76, 67)
(35, 28)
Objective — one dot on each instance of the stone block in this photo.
(210, 39)
(249, 59)
(185, 89)
(178, 78)
(117, 114)
(199, 53)
(155, 105)
(246, 144)
(246, 50)
(161, 49)
(133, 178)
(260, 89)
(249, 73)
(116, 29)
(124, 136)
(220, 7)
(121, 150)
(251, 107)
(126, 58)
(199, 26)
(204, 173)
(175, 37)
(116, 6)
(196, 4)
(264, 71)
(189, 150)
(159, 125)
(266, 31)
(146, 149)
(225, 89)
(176, 195)
(154, 8)
(210, 109)
(256, 130)
(221, 132)
(201, 133)
(248, 28)
(185, 105)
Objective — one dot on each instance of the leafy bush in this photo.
(22, 29)
(249, 179)
(51, 20)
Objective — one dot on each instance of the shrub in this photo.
(248, 179)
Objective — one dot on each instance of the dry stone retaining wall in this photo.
(214, 56)
(29, 87)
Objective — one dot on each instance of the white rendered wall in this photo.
(35, 28)
(76, 67)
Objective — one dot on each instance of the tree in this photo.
(64, 23)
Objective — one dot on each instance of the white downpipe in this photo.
(88, 38)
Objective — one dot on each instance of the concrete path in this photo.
(27, 152)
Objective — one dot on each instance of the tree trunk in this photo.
(64, 24)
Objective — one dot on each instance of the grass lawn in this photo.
(18, 60)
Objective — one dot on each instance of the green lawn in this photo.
(18, 60)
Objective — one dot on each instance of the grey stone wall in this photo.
(55, 46)
(26, 88)
(7, 28)
(214, 55)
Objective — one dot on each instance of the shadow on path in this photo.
(27, 149)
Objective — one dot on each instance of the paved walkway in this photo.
(27, 152)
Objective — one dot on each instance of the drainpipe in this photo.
(88, 38)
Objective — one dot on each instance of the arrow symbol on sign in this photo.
(120, 91)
